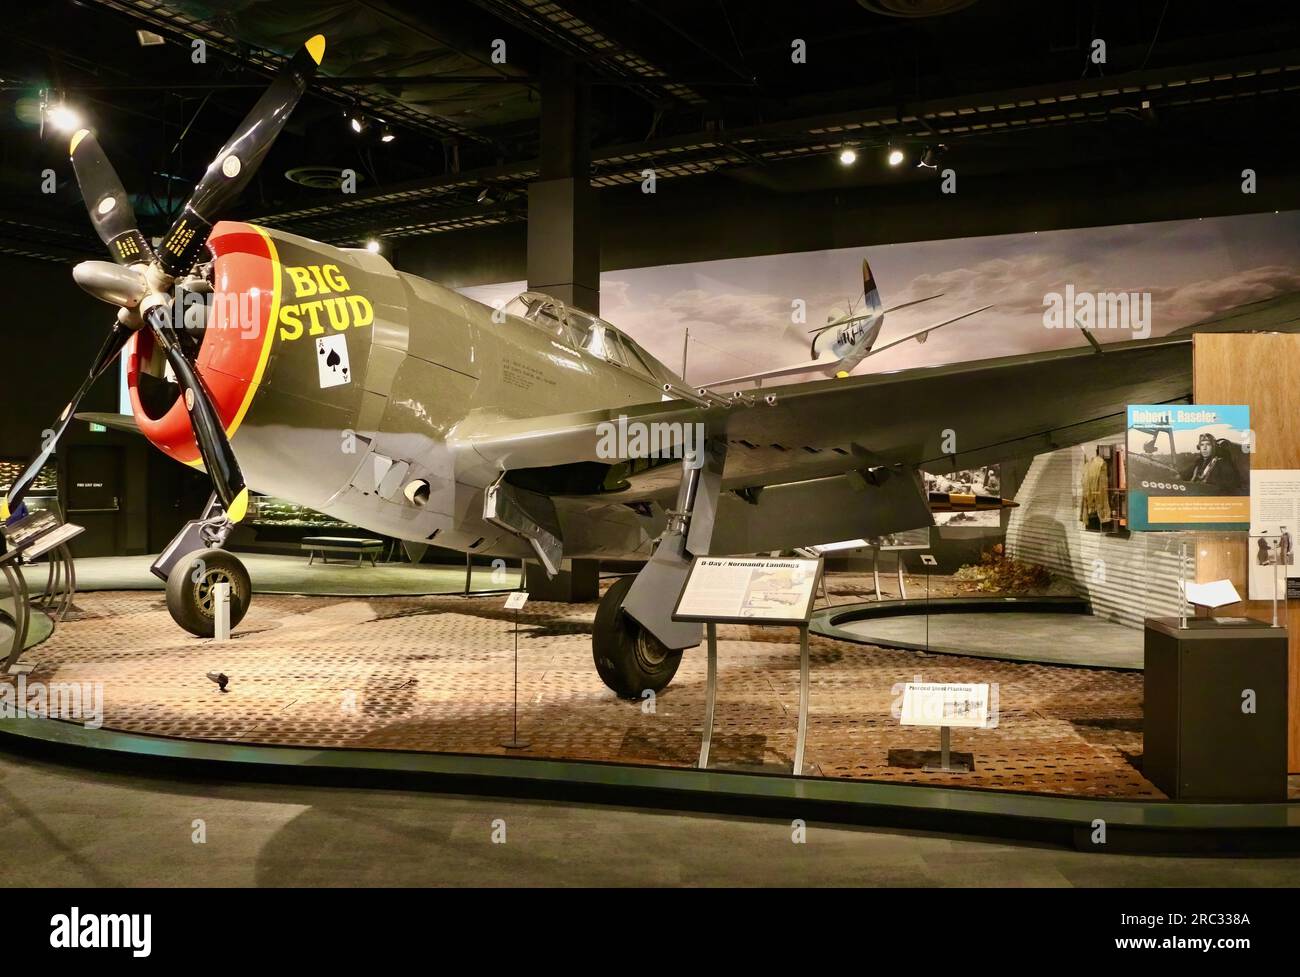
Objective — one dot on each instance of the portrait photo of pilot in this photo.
(1214, 465)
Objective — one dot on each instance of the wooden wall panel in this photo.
(1262, 370)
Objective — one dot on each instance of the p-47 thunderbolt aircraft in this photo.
(327, 377)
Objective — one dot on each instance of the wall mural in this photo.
(1130, 280)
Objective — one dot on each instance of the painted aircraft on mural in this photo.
(853, 336)
(324, 376)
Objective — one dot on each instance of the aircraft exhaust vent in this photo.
(417, 492)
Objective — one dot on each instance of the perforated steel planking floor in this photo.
(435, 674)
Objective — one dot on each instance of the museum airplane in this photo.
(327, 377)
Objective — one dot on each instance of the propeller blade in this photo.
(123, 287)
(214, 446)
(238, 160)
(109, 206)
(113, 344)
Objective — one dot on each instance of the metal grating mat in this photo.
(435, 674)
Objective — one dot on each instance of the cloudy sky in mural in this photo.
(739, 311)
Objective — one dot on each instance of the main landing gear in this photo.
(636, 644)
(191, 590)
(193, 564)
(629, 659)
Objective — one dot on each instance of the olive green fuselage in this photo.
(386, 449)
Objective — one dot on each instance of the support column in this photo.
(563, 216)
(564, 252)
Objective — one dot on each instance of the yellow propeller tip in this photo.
(77, 136)
(841, 374)
(4, 509)
(239, 508)
(316, 47)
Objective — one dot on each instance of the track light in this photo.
(895, 156)
(387, 135)
(485, 196)
(848, 156)
(63, 118)
(356, 121)
(372, 246)
(931, 156)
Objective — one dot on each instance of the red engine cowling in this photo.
(236, 340)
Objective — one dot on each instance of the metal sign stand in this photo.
(515, 743)
(711, 696)
(928, 561)
(221, 611)
(55, 601)
(736, 591)
(945, 755)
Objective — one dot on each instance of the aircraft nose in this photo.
(236, 341)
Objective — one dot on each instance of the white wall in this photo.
(1126, 580)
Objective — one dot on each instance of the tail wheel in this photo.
(191, 590)
(629, 659)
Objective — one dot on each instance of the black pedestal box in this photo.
(1199, 744)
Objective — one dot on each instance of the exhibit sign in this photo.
(1274, 519)
(967, 482)
(908, 539)
(749, 590)
(1189, 467)
(516, 600)
(945, 704)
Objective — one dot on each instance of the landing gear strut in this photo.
(193, 564)
(636, 644)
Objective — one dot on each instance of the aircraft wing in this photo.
(921, 335)
(939, 418)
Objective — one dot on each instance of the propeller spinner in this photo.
(141, 286)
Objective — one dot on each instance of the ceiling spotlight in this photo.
(931, 156)
(372, 246)
(895, 156)
(356, 122)
(485, 196)
(848, 156)
(63, 118)
(387, 134)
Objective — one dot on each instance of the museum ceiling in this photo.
(697, 89)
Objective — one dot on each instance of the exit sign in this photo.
(97, 428)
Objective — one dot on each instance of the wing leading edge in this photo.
(954, 415)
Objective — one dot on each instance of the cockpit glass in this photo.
(542, 311)
(577, 328)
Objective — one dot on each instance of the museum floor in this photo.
(84, 827)
(435, 674)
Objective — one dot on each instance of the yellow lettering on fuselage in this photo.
(323, 286)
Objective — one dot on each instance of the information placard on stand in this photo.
(755, 591)
(22, 541)
(943, 704)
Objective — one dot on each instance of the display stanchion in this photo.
(928, 561)
(515, 602)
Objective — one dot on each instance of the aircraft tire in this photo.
(629, 659)
(190, 597)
